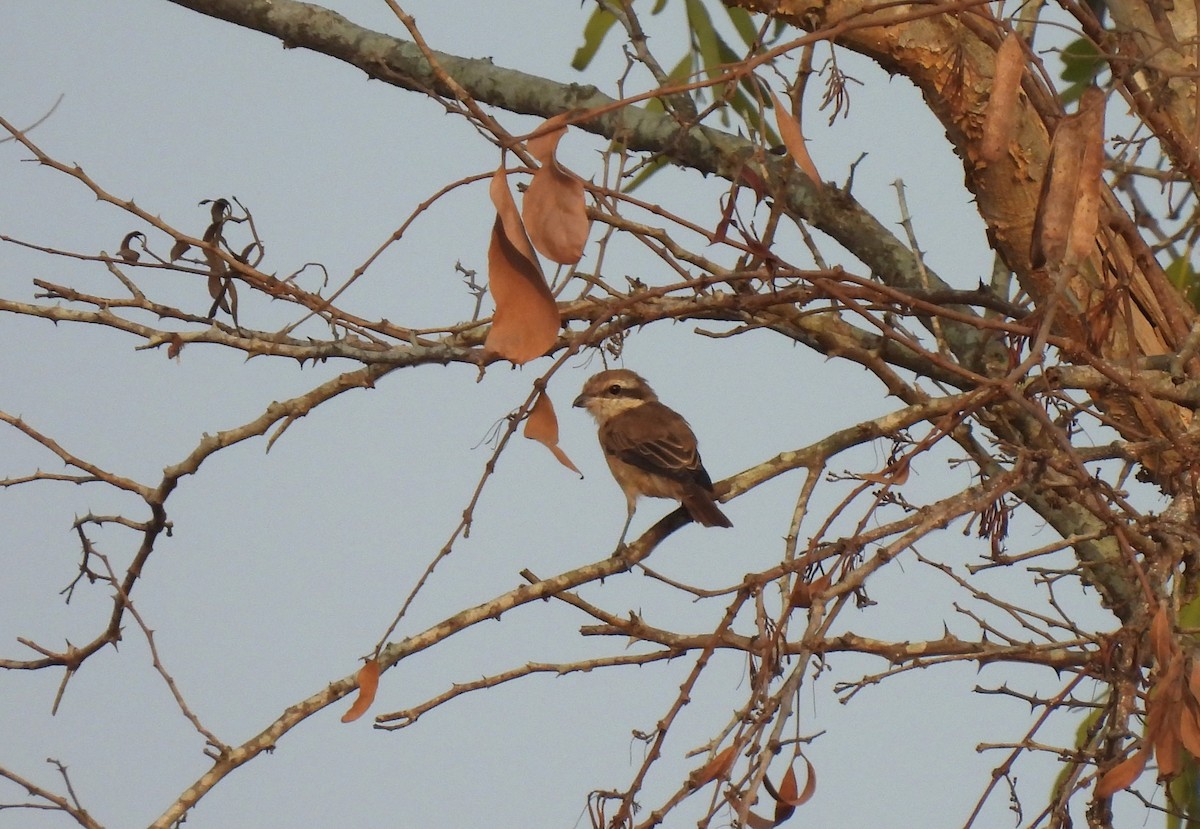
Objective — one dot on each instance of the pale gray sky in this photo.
(285, 568)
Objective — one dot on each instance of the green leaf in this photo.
(708, 42)
(652, 167)
(676, 75)
(1082, 61)
(1185, 797)
(1083, 735)
(744, 23)
(593, 35)
(748, 109)
(1071, 94)
(1189, 614)
(1183, 276)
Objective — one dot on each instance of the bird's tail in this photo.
(703, 509)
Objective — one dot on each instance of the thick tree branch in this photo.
(709, 151)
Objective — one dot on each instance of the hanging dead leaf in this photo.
(219, 209)
(1064, 227)
(1161, 640)
(804, 591)
(1000, 118)
(126, 252)
(1163, 718)
(1189, 725)
(176, 346)
(1085, 219)
(717, 767)
(1122, 775)
(787, 798)
(793, 139)
(224, 295)
(753, 821)
(553, 208)
(753, 180)
(542, 426)
(179, 249)
(526, 321)
(787, 789)
(368, 684)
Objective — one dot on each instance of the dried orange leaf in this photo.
(1000, 119)
(1086, 217)
(718, 766)
(1164, 735)
(1056, 204)
(1161, 640)
(1064, 229)
(1122, 775)
(759, 822)
(753, 821)
(542, 426)
(895, 473)
(793, 139)
(368, 684)
(787, 789)
(543, 145)
(526, 321)
(553, 208)
(786, 797)
(804, 591)
(1189, 726)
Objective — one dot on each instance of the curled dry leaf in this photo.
(718, 766)
(788, 790)
(788, 797)
(553, 207)
(1000, 119)
(368, 684)
(179, 249)
(804, 591)
(1086, 217)
(542, 426)
(793, 139)
(1068, 212)
(224, 294)
(753, 821)
(1161, 641)
(1122, 775)
(127, 253)
(526, 322)
(1164, 716)
(1189, 724)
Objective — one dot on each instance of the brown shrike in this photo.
(649, 447)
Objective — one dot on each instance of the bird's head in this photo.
(612, 392)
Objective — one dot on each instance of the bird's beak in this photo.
(580, 402)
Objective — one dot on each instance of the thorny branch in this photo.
(998, 398)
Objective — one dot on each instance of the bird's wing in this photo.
(657, 439)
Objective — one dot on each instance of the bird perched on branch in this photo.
(649, 447)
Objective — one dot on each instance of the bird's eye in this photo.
(614, 389)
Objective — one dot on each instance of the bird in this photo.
(651, 450)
